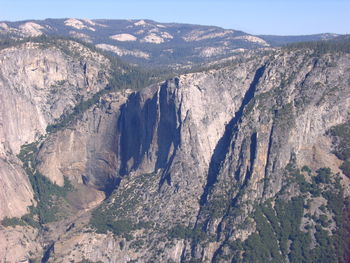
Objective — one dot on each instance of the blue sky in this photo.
(283, 17)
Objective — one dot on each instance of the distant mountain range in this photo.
(147, 42)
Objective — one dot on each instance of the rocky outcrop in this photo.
(19, 244)
(16, 192)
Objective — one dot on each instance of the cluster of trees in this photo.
(341, 141)
(322, 47)
(103, 224)
(278, 231)
(104, 221)
(14, 221)
(182, 232)
(47, 194)
(116, 216)
(279, 236)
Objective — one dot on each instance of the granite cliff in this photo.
(209, 166)
(38, 84)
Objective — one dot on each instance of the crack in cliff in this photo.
(267, 164)
(253, 149)
(47, 253)
(222, 148)
(231, 128)
(249, 172)
(237, 174)
(314, 64)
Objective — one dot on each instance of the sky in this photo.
(277, 17)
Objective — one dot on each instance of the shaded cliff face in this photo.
(191, 168)
(88, 152)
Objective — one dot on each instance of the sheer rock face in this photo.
(174, 150)
(15, 190)
(38, 83)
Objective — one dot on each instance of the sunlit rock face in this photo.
(38, 84)
(173, 172)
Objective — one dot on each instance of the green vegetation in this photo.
(23, 221)
(81, 107)
(322, 47)
(105, 221)
(14, 221)
(217, 207)
(323, 176)
(341, 142)
(279, 235)
(118, 216)
(341, 139)
(49, 196)
(183, 232)
(103, 224)
(137, 244)
(285, 116)
(6, 42)
(277, 228)
(336, 246)
(345, 167)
